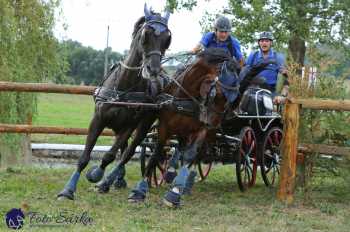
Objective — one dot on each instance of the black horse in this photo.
(133, 79)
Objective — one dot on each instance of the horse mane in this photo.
(214, 56)
(138, 25)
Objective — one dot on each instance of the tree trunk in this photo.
(297, 48)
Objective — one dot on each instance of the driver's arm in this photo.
(199, 47)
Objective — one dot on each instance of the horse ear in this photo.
(166, 16)
(146, 11)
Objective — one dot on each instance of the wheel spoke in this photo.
(276, 137)
(269, 141)
(248, 137)
(248, 176)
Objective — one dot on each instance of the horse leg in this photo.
(120, 182)
(95, 129)
(118, 173)
(104, 186)
(171, 173)
(173, 197)
(95, 173)
(138, 194)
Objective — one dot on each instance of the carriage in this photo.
(134, 94)
(249, 138)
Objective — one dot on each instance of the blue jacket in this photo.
(208, 40)
(270, 73)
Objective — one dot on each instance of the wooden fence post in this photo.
(289, 153)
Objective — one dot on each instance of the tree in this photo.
(86, 65)
(28, 53)
(295, 23)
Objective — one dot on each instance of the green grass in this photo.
(65, 110)
(347, 83)
(215, 205)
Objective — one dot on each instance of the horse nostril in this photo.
(148, 68)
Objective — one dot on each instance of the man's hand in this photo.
(197, 48)
(285, 91)
(279, 100)
(284, 71)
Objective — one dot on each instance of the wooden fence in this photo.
(290, 146)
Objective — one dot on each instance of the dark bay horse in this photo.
(133, 78)
(200, 86)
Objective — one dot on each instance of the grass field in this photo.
(65, 110)
(215, 205)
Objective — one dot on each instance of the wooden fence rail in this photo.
(46, 88)
(29, 129)
(289, 148)
(324, 104)
(289, 144)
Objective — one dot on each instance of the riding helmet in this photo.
(266, 35)
(222, 24)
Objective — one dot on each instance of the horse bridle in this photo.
(198, 103)
(150, 53)
(157, 33)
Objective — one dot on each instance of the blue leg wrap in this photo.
(190, 182)
(139, 192)
(174, 160)
(120, 181)
(190, 153)
(172, 199)
(117, 172)
(180, 179)
(169, 176)
(95, 174)
(73, 181)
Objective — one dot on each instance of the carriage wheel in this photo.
(157, 174)
(271, 156)
(204, 169)
(204, 163)
(246, 159)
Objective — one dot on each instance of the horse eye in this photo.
(145, 36)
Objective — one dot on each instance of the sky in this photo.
(87, 22)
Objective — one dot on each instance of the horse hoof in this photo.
(172, 199)
(119, 184)
(169, 176)
(136, 197)
(66, 194)
(102, 188)
(94, 174)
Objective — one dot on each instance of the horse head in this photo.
(202, 81)
(219, 88)
(151, 39)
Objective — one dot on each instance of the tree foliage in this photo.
(86, 65)
(295, 23)
(28, 52)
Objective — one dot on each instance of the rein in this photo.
(129, 67)
(185, 91)
(216, 81)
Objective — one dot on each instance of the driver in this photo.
(221, 38)
(270, 72)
